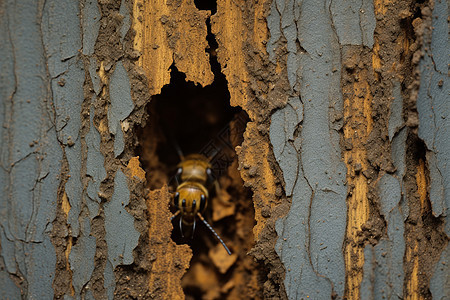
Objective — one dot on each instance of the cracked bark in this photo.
(330, 215)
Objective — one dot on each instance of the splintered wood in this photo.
(171, 33)
(174, 34)
(230, 28)
(357, 110)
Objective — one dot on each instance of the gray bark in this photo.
(47, 54)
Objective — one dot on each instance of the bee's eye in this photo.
(209, 171)
(179, 171)
(193, 204)
(183, 203)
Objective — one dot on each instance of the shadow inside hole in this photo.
(210, 5)
(190, 117)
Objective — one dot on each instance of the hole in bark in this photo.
(200, 120)
(191, 118)
(206, 5)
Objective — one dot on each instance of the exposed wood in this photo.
(167, 33)
(357, 128)
(257, 156)
(340, 185)
(171, 260)
(228, 27)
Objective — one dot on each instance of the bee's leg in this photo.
(181, 226)
(174, 215)
(193, 229)
(172, 179)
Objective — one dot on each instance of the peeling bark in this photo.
(338, 188)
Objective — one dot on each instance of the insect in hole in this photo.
(194, 181)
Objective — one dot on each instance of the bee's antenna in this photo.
(214, 232)
(178, 149)
(169, 133)
(175, 177)
(175, 145)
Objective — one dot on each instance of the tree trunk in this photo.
(326, 124)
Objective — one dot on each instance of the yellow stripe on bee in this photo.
(194, 168)
(191, 191)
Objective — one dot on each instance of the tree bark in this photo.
(344, 154)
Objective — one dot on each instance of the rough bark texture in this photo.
(333, 179)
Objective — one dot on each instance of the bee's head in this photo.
(190, 198)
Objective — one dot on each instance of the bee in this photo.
(194, 181)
